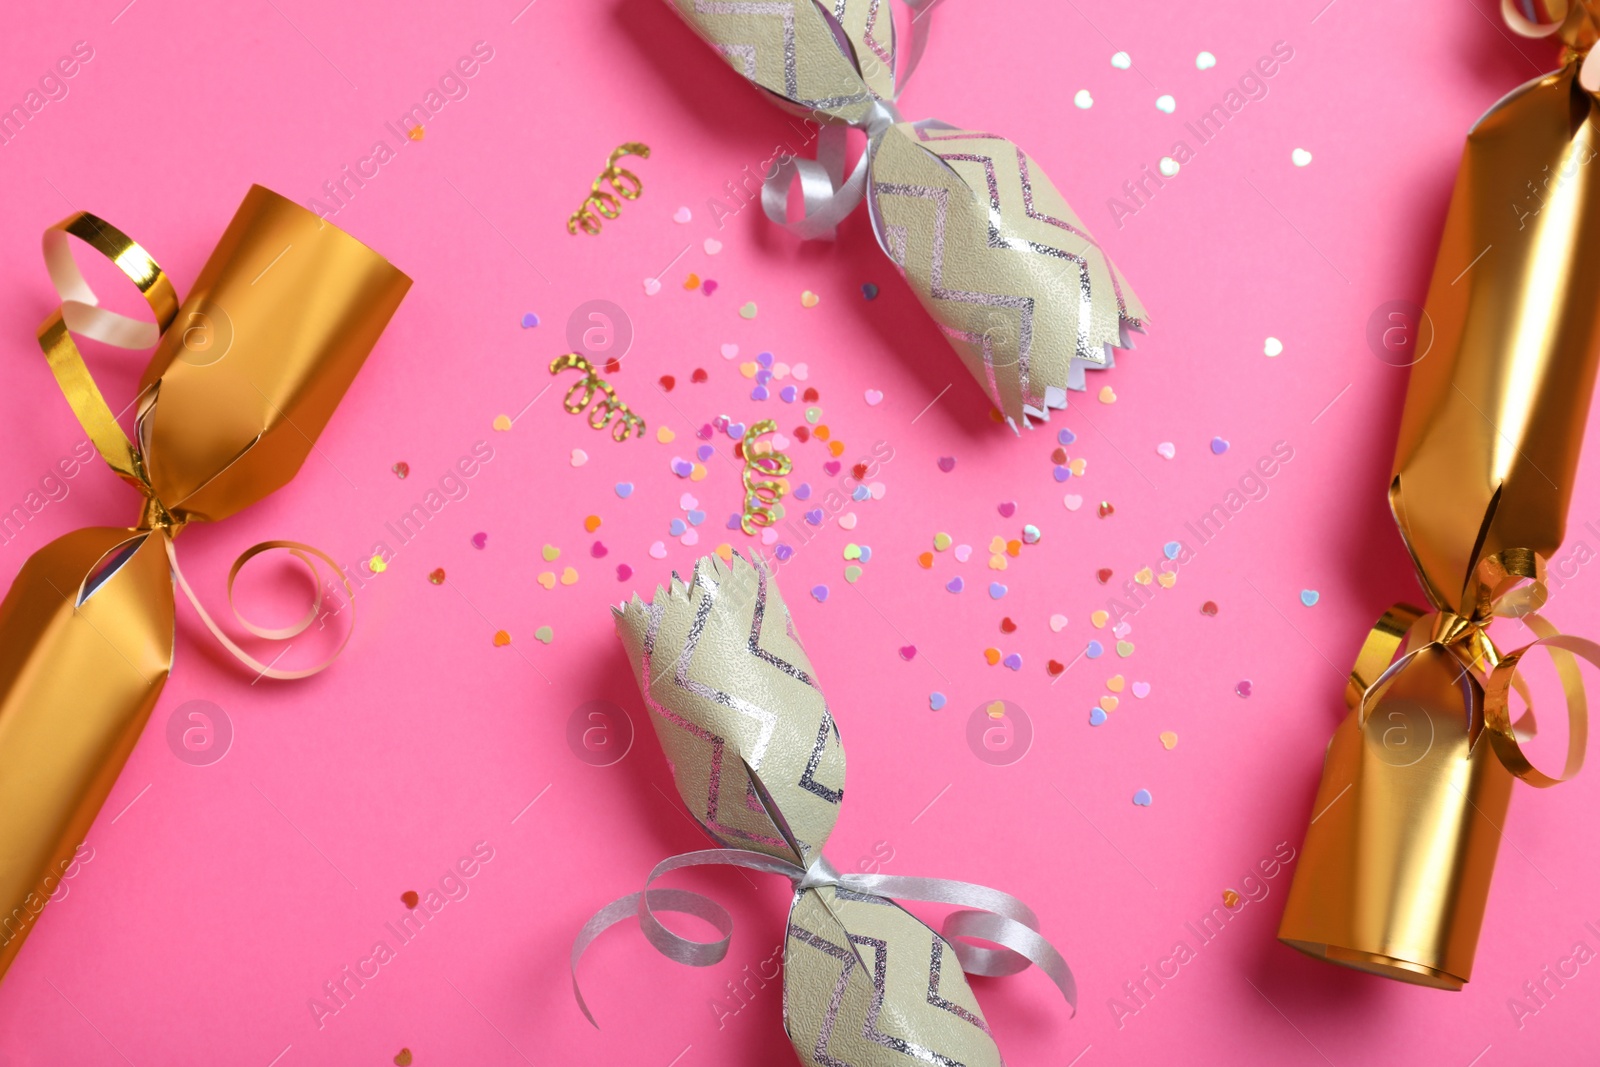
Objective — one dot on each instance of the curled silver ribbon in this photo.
(989, 914)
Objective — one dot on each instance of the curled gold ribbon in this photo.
(763, 477)
(625, 184)
(80, 312)
(582, 392)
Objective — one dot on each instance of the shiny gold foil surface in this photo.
(245, 376)
(1395, 872)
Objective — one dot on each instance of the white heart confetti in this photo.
(1073, 501)
(652, 286)
(1272, 347)
(1300, 157)
(730, 351)
(874, 398)
(658, 550)
(847, 521)
(780, 371)
(769, 535)
(682, 215)
(691, 536)
(1058, 623)
(801, 372)
(1083, 99)
(1168, 167)
(1166, 103)
(877, 489)
(1122, 61)
(781, 442)
(1166, 450)
(963, 553)
(579, 457)
(1205, 61)
(712, 246)
(688, 502)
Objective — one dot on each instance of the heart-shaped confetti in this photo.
(1108, 704)
(1094, 650)
(1300, 157)
(1203, 61)
(712, 246)
(667, 382)
(1142, 798)
(652, 286)
(403, 1057)
(808, 299)
(569, 577)
(941, 541)
(1007, 509)
(501, 639)
(955, 585)
(1073, 501)
(699, 376)
(869, 291)
(1171, 549)
(1208, 608)
(709, 287)
(1309, 597)
(598, 550)
(1007, 626)
(1106, 509)
(908, 652)
(550, 552)
(926, 560)
(1168, 167)
(874, 397)
(1055, 667)
(1030, 535)
(1272, 348)
(730, 351)
(748, 311)
(1098, 619)
(852, 574)
(1169, 740)
(692, 281)
(579, 457)
(1096, 717)
(624, 572)
(1141, 689)
(1124, 649)
(1058, 623)
(624, 489)
(819, 593)
(544, 634)
(1144, 576)
(963, 553)
(1244, 688)
(991, 656)
(1107, 395)
(502, 423)
(847, 521)
(1013, 661)
(1166, 104)
(1116, 683)
(1121, 60)
(1166, 450)
(529, 321)
(682, 215)
(401, 469)
(436, 576)
(658, 550)
(480, 539)
(996, 590)
(1083, 99)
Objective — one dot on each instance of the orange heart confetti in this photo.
(591, 523)
(1108, 704)
(926, 560)
(992, 655)
(1116, 683)
(501, 639)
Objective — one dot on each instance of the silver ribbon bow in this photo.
(989, 915)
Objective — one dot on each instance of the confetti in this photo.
(1073, 501)
(1066, 436)
(955, 585)
(658, 550)
(591, 523)
(502, 423)
(377, 565)
(436, 576)
(1095, 650)
(601, 204)
(996, 590)
(963, 553)
(1124, 649)
(1055, 667)
(936, 700)
(1058, 623)
(1309, 597)
(409, 898)
(667, 381)
(1096, 717)
(819, 593)
(1230, 899)
(501, 639)
(1142, 798)
(402, 1058)
(1141, 689)
(1103, 574)
(1014, 661)
(1244, 688)
(699, 377)
(908, 652)
(748, 311)
(652, 286)
(598, 550)
(991, 656)
(1208, 608)
(1300, 157)
(582, 392)
(624, 489)
(1171, 549)
(1169, 740)
(547, 579)
(1082, 98)
(712, 246)
(1108, 704)
(545, 634)
(624, 572)
(1098, 619)
(579, 457)
(852, 574)
(1121, 60)
(401, 469)
(1116, 683)
(1166, 450)
(1205, 61)
(1272, 347)
(529, 321)
(1218, 446)
(416, 133)
(874, 397)
(1106, 509)
(809, 299)
(869, 291)
(682, 215)
(1007, 626)
(692, 281)
(1166, 104)
(1107, 395)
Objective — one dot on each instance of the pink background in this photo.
(221, 898)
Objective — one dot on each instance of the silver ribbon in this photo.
(829, 196)
(990, 915)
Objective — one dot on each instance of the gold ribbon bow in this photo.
(81, 313)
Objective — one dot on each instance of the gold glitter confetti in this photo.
(583, 391)
(606, 205)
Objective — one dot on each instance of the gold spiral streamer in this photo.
(764, 478)
(583, 391)
(624, 183)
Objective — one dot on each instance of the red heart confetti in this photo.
(401, 469)
(409, 898)
(436, 576)
(860, 471)
(1007, 626)
(1055, 667)
(1104, 574)
(1106, 509)
(802, 434)
(811, 396)
(1208, 608)
(667, 382)
(699, 376)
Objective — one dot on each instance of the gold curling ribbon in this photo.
(763, 477)
(582, 392)
(244, 376)
(625, 183)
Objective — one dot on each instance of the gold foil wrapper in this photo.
(757, 758)
(280, 320)
(1394, 875)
